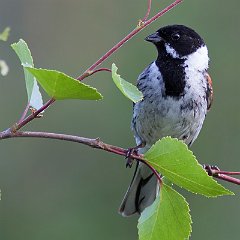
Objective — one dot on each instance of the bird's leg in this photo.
(132, 150)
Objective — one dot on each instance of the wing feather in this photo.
(209, 93)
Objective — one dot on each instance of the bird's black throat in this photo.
(173, 73)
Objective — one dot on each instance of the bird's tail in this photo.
(141, 192)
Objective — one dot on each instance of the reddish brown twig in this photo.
(227, 178)
(33, 115)
(24, 112)
(225, 172)
(94, 143)
(100, 70)
(139, 28)
(153, 170)
(148, 11)
(223, 175)
(91, 70)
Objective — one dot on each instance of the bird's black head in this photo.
(177, 40)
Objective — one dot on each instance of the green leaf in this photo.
(174, 160)
(60, 86)
(24, 54)
(128, 90)
(167, 218)
(5, 34)
(25, 57)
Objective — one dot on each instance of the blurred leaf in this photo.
(24, 54)
(60, 86)
(5, 34)
(4, 68)
(174, 160)
(128, 90)
(25, 57)
(167, 218)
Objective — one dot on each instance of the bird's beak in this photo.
(154, 38)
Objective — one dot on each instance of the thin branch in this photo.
(23, 121)
(32, 116)
(148, 11)
(100, 70)
(24, 112)
(223, 175)
(98, 144)
(225, 172)
(227, 178)
(94, 143)
(153, 170)
(139, 28)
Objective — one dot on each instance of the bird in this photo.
(177, 94)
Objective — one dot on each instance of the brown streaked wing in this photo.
(209, 91)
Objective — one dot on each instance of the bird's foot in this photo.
(130, 151)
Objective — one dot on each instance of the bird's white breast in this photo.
(182, 117)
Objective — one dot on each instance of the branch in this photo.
(139, 28)
(94, 143)
(225, 172)
(98, 144)
(24, 112)
(227, 178)
(100, 70)
(148, 11)
(91, 70)
(223, 175)
(32, 116)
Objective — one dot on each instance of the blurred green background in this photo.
(56, 190)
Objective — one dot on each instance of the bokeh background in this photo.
(56, 190)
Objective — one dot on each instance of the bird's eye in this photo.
(175, 36)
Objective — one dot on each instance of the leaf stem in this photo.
(148, 11)
(154, 171)
(24, 112)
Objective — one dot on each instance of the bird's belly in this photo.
(168, 117)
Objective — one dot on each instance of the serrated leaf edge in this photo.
(114, 72)
(22, 41)
(227, 192)
(187, 206)
(65, 75)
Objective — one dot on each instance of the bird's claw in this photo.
(130, 160)
(130, 151)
